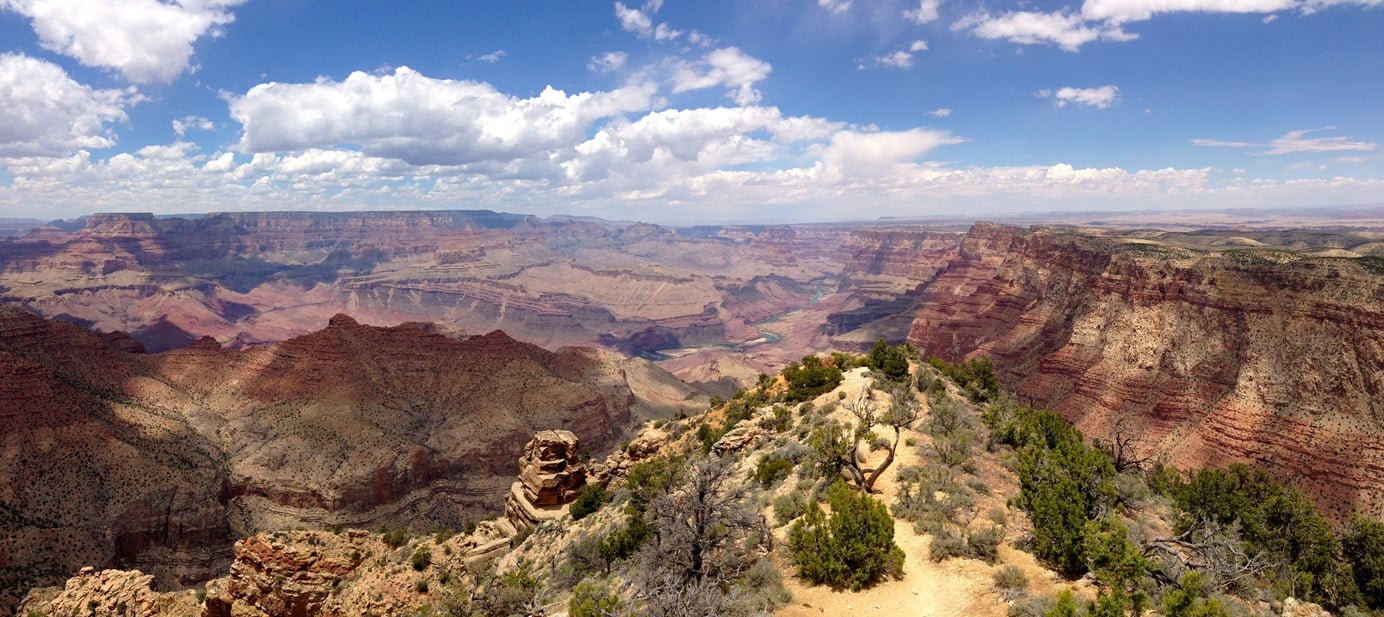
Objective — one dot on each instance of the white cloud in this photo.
(608, 62)
(1295, 142)
(1066, 30)
(1120, 11)
(1099, 98)
(492, 57)
(900, 59)
(728, 67)
(640, 22)
(940, 112)
(633, 20)
(857, 154)
(698, 165)
(146, 40)
(925, 13)
(411, 117)
(835, 6)
(1104, 19)
(45, 113)
(185, 123)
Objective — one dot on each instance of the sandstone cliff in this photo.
(1212, 356)
(254, 278)
(120, 459)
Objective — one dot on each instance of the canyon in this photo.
(117, 458)
(1208, 348)
(216, 376)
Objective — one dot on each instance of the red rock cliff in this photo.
(1214, 357)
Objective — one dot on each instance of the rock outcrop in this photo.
(169, 457)
(1262, 356)
(110, 593)
(286, 575)
(550, 474)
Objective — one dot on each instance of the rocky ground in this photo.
(532, 551)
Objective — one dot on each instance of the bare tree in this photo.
(1124, 447)
(900, 413)
(703, 523)
(1212, 548)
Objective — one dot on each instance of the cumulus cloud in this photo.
(675, 142)
(728, 67)
(492, 57)
(940, 112)
(1294, 142)
(1105, 19)
(608, 62)
(182, 125)
(640, 21)
(699, 165)
(864, 154)
(411, 117)
(900, 59)
(146, 40)
(1120, 11)
(925, 13)
(45, 113)
(1066, 30)
(1100, 98)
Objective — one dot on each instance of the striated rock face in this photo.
(254, 278)
(550, 473)
(168, 457)
(1212, 357)
(277, 577)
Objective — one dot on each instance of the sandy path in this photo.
(953, 587)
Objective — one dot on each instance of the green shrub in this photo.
(649, 479)
(395, 538)
(443, 534)
(891, 362)
(946, 545)
(810, 378)
(422, 558)
(975, 377)
(622, 543)
(984, 543)
(1011, 582)
(1363, 547)
(589, 499)
(853, 547)
(1187, 601)
(789, 506)
(592, 600)
(771, 469)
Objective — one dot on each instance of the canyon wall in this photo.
(114, 458)
(255, 278)
(1254, 355)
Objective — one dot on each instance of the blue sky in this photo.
(669, 111)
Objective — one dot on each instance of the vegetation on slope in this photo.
(764, 484)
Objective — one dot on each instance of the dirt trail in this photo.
(948, 589)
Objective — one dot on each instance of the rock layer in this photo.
(550, 474)
(1265, 357)
(166, 458)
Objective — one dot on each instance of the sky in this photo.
(671, 111)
